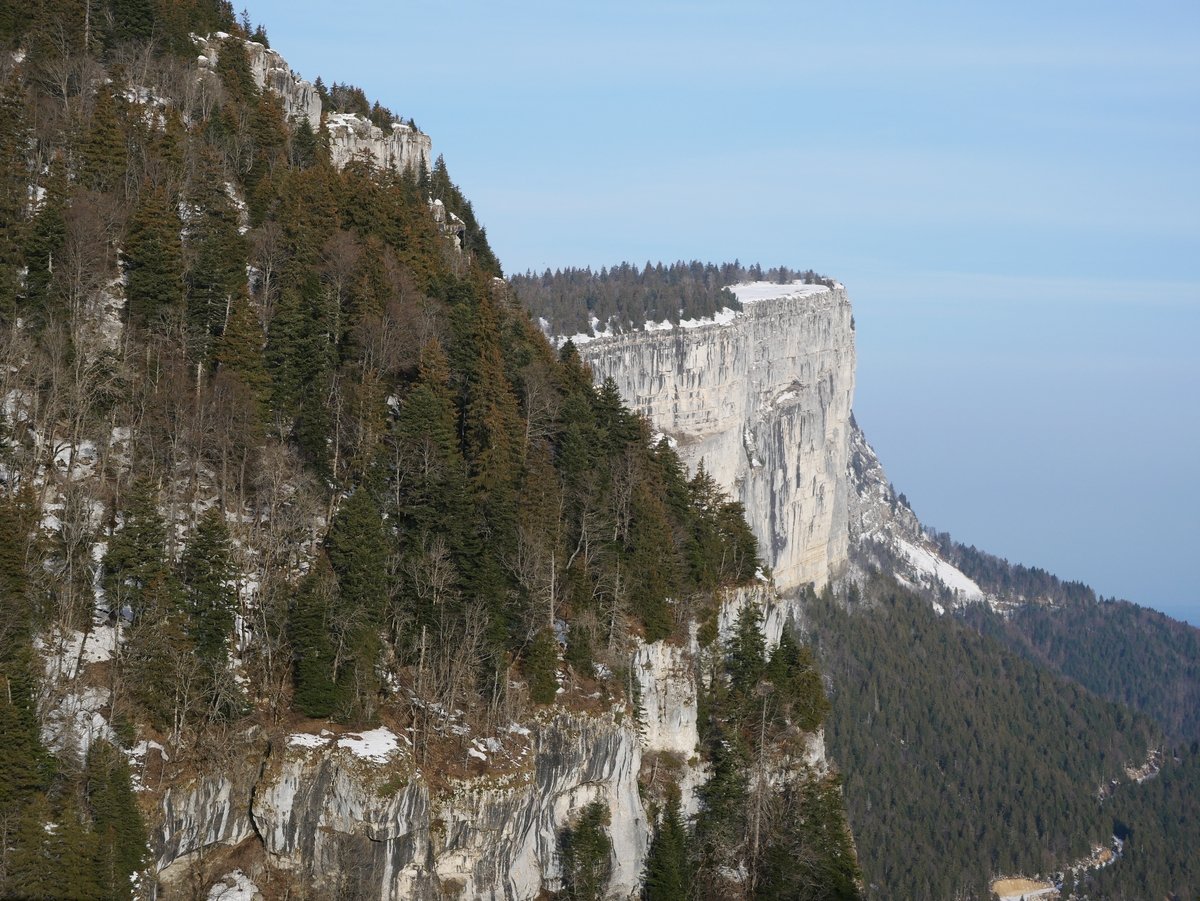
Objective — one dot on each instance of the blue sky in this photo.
(1011, 193)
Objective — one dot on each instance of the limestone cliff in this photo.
(400, 147)
(362, 815)
(271, 72)
(351, 136)
(763, 397)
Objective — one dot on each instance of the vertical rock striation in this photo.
(351, 137)
(400, 147)
(764, 400)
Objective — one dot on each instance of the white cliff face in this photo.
(351, 137)
(271, 72)
(668, 675)
(400, 147)
(763, 398)
(350, 823)
(355, 814)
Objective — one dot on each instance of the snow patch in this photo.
(376, 745)
(755, 292)
(930, 565)
(235, 886)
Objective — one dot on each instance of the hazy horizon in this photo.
(1010, 195)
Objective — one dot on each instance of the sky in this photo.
(1010, 192)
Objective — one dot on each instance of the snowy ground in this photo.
(746, 293)
(235, 886)
(926, 564)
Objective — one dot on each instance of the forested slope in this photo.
(964, 761)
(280, 452)
(1119, 650)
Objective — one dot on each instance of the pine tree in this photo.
(14, 182)
(314, 655)
(103, 158)
(217, 274)
(153, 258)
(24, 765)
(239, 352)
(667, 860)
(746, 655)
(136, 554)
(797, 682)
(45, 237)
(587, 853)
(131, 21)
(206, 572)
(116, 820)
(160, 658)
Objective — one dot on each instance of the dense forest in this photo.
(1159, 823)
(963, 760)
(624, 297)
(997, 576)
(1118, 650)
(299, 455)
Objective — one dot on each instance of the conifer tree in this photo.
(131, 21)
(667, 861)
(206, 571)
(136, 553)
(29, 852)
(587, 852)
(217, 272)
(116, 820)
(745, 658)
(314, 652)
(153, 257)
(24, 764)
(159, 656)
(239, 351)
(797, 681)
(357, 546)
(103, 157)
(14, 181)
(45, 236)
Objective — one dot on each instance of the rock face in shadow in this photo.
(763, 398)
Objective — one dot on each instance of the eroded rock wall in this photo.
(764, 400)
(351, 137)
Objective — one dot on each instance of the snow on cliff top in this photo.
(746, 293)
(376, 745)
(753, 292)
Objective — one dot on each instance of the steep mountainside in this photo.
(1003, 749)
(762, 396)
(964, 761)
(322, 574)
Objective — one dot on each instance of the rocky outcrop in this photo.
(270, 72)
(359, 815)
(885, 535)
(351, 137)
(400, 147)
(356, 817)
(763, 398)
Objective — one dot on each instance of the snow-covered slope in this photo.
(886, 534)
